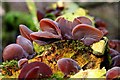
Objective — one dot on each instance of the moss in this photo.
(74, 49)
(9, 67)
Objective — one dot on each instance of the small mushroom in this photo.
(13, 51)
(113, 73)
(115, 44)
(35, 70)
(50, 26)
(24, 31)
(25, 43)
(86, 33)
(84, 20)
(22, 62)
(68, 66)
(116, 61)
(101, 25)
(40, 15)
(113, 53)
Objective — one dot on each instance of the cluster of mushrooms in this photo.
(61, 29)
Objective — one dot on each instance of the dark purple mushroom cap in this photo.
(67, 65)
(86, 33)
(113, 53)
(116, 61)
(25, 43)
(50, 26)
(13, 51)
(35, 70)
(24, 31)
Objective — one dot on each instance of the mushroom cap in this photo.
(43, 34)
(50, 26)
(39, 69)
(25, 43)
(22, 62)
(86, 33)
(13, 51)
(24, 31)
(84, 20)
(68, 65)
(113, 73)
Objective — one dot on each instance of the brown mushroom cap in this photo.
(22, 62)
(113, 73)
(43, 34)
(24, 31)
(25, 43)
(50, 26)
(35, 70)
(68, 65)
(86, 33)
(84, 20)
(13, 51)
(67, 26)
(115, 44)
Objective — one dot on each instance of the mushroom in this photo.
(115, 44)
(40, 15)
(13, 51)
(50, 26)
(67, 26)
(44, 36)
(35, 70)
(101, 25)
(116, 61)
(22, 62)
(25, 43)
(68, 66)
(113, 73)
(113, 53)
(86, 33)
(84, 20)
(24, 31)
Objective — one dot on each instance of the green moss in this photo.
(9, 66)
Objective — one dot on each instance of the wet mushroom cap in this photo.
(22, 62)
(50, 26)
(113, 73)
(40, 69)
(84, 20)
(25, 43)
(24, 31)
(68, 65)
(86, 33)
(13, 51)
(43, 34)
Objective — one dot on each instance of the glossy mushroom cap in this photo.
(68, 66)
(13, 51)
(25, 43)
(22, 62)
(86, 33)
(50, 26)
(24, 31)
(35, 70)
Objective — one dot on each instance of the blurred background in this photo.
(12, 14)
